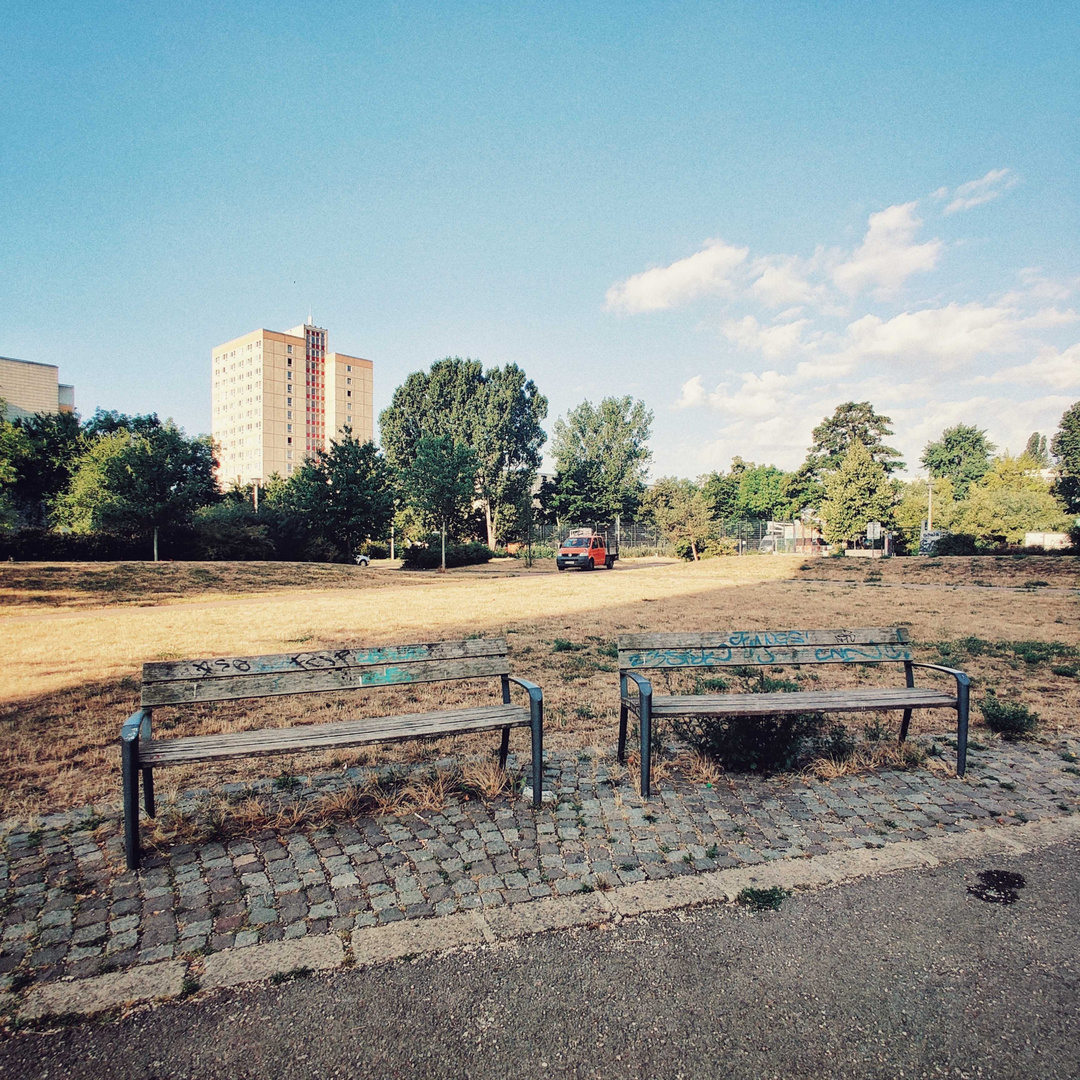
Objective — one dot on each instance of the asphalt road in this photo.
(908, 976)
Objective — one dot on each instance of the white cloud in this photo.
(1057, 370)
(952, 333)
(976, 192)
(888, 255)
(781, 282)
(774, 342)
(693, 394)
(706, 272)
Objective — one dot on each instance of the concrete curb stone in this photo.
(234, 967)
(104, 992)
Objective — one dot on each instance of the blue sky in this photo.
(742, 213)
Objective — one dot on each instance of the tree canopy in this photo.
(601, 455)
(852, 422)
(497, 413)
(138, 483)
(439, 485)
(855, 494)
(344, 495)
(962, 454)
(1065, 446)
(680, 511)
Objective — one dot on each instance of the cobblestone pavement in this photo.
(70, 909)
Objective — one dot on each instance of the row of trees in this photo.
(460, 454)
(459, 457)
(847, 481)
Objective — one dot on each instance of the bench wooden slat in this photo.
(325, 736)
(330, 659)
(678, 656)
(764, 638)
(867, 700)
(310, 682)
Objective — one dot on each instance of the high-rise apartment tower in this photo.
(279, 397)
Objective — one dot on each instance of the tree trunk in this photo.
(693, 548)
(489, 521)
(442, 569)
(155, 543)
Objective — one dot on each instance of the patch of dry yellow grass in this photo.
(71, 676)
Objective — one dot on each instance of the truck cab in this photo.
(586, 549)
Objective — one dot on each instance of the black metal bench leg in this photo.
(962, 703)
(148, 792)
(646, 747)
(538, 752)
(904, 725)
(504, 747)
(622, 720)
(128, 751)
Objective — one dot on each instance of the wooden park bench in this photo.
(761, 648)
(236, 678)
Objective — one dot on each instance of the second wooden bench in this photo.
(765, 648)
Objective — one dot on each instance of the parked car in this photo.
(363, 560)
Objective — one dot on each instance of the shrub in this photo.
(956, 544)
(429, 557)
(837, 742)
(376, 551)
(751, 743)
(1008, 718)
(230, 531)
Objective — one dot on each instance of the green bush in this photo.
(836, 742)
(230, 531)
(376, 551)
(429, 557)
(751, 743)
(1008, 718)
(956, 544)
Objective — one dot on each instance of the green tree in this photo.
(1065, 446)
(140, 483)
(857, 493)
(53, 445)
(721, 490)
(109, 421)
(497, 413)
(762, 493)
(852, 422)
(1005, 514)
(343, 495)
(1010, 500)
(14, 450)
(601, 456)
(962, 454)
(914, 503)
(440, 483)
(1036, 449)
(680, 511)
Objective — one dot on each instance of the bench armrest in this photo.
(644, 685)
(535, 693)
(136, 726)
(959, 676)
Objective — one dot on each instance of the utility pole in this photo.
(929, 501)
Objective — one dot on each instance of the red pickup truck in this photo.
(587, 549)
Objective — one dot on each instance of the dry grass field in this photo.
(75, 636)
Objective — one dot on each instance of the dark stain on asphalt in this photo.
(998, 886)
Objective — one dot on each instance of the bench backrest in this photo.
(175, 682)
(762, 647)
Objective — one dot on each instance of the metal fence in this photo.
(788, 537)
